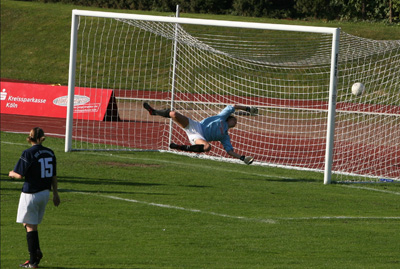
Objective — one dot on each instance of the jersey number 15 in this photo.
(46, 167)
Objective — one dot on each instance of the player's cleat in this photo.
(149, 108)
(27, 264)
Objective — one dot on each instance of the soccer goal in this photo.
(299, 77)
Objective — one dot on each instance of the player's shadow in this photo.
(57, 267)
(294, 180)
(285, 180)
(104, 181)
(111, 192)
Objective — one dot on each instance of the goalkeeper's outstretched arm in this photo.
(245, 159)
(251, 109)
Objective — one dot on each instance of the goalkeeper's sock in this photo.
(164, 112)
(152, 111)
(191, 148)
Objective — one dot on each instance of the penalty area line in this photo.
(270, 221)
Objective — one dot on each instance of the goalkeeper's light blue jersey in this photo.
(215, 128)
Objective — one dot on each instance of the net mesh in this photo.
(285, 74)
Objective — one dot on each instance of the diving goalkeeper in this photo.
(213, 128)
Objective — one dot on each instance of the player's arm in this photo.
(245, 159)
(251, 109)
(234, 154)
(13, 174)
(54, 185)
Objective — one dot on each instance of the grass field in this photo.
(161, 210)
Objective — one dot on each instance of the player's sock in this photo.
(164, 113)
(33, 246)
(192, 148)
(152, 111)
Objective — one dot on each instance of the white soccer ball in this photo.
(358, 88)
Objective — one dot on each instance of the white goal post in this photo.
(196, 66)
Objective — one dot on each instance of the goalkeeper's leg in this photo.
(152, 111)
(178, 118)
(200, 146)
(191, 148)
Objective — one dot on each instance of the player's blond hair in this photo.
(36, 135)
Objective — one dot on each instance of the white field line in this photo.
(265, 220)
(12, 143)
(183, 208)
(370, 189)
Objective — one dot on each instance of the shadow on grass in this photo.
(294, 180)
(57, 267)
(287, 180)
(94, 192)
(125, 182)
(104, 181)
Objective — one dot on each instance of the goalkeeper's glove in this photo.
(247, 160)
(252, 110)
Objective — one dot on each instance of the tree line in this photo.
(352, 10)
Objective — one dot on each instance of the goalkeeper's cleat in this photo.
(149, 108)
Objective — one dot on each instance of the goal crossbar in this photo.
(206, 22)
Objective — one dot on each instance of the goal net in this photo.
(197, 67)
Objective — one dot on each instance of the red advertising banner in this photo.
(51, 101)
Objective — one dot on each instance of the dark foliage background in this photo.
(353, 10)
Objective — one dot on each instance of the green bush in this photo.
(353, 10)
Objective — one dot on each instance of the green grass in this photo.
(161, 210)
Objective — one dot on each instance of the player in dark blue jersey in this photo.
(213, 128)
(38, 166)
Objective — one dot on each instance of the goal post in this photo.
(298, 76)
(330, 132)
(71, 82)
